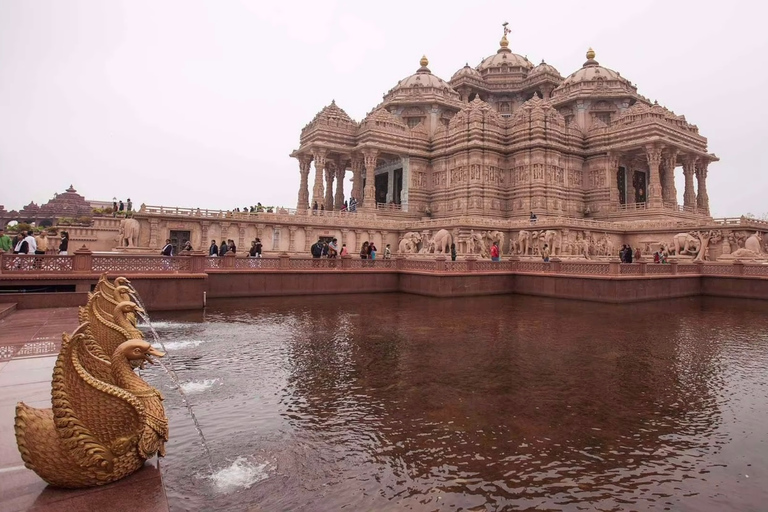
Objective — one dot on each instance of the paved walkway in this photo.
(29, 343)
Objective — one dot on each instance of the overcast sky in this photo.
(198, 103)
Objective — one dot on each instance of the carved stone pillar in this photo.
(613, 177)
(241, 236)
(329, 175)
(689, 168)
(305, 161)
(345, 240)
(358, 241)
(224, 231)
(204, 235)
(702, 199)
(154, 229)
(653, 153)
(292, 238)
(357, 179)
(341, 169)
(384, 235)
(259, 230)
(317, 189)
(369, 194)
(308, 239)
(669, 192)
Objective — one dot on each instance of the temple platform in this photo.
(29, 343)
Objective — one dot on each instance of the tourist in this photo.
(258, 247)
(223, 248)
(252, 250)
(64, 243)
(352, 204)
(495, 252)
(545, 253)
(533, 218)
(364, 250)
(387, 252)
(333, 249)
(628, 254)
(120, 206)
(324, 250)
(114, 208)
(5, 241)
(128, 205)
(344, 251)
(453, 252)
(232, 247)
(213, 250)
(168, 249)
(638, 254)
(42, 243)
(187, 248)
(371, 251)
(656, 257)
(623, 253)
(31, 243)
(317, 249)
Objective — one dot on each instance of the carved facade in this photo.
(507, 138)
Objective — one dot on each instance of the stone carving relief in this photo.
(409, 243)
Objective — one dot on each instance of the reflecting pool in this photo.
(401, 402)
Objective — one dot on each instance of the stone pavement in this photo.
(29, 342)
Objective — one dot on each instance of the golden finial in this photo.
(504, 43)
(590, 54)
(424, 61)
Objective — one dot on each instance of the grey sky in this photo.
(198, 104)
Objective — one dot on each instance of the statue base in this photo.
(136, 250)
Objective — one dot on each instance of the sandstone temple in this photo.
(506, 138)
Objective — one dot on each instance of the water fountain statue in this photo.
(105, 420)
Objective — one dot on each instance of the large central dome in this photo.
(504, 61)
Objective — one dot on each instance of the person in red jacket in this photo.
(495, 252)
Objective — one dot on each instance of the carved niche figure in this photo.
(479, 244)
(409, 243)
(442, 241)
(128, 236)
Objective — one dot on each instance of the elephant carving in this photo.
(552, 239)
(685, 243)
(523, 242)
(409, 244)
(753, 243)
(442, 241)
(496, 236)
(128, 236)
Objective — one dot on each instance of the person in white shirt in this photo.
(31, 243)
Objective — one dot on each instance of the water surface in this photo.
(400, 402)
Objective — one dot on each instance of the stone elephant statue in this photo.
(442, 241)
(409, 243)
(552, 239)
(496, 236)
(754, 243)
(685, 243)
(128, 236)
(524, 242)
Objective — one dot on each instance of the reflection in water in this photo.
(396, 401)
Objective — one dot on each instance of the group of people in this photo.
(627, 254)
(120, 206)
(348, 206)
(368, 251)
(25, 242)
(257, 208)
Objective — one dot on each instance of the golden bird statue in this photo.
(105, 420)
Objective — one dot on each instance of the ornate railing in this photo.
(87, 262)
(36, 263)
(141, 264)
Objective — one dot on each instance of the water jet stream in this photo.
(167, 366)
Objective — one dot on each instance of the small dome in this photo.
(544, 68)
(467, 71)
(592, 70)
(422, 78)
(505, 58)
